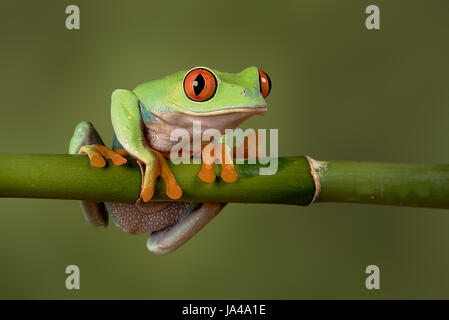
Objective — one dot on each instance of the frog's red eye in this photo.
(200, 85)
(265, 83)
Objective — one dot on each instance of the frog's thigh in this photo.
(94, 212)
(141, 217)
(171, 238)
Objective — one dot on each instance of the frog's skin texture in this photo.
(143, 120)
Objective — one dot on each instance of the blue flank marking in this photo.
(147, 116)
(115, 143)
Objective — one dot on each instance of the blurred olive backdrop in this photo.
(339, 92)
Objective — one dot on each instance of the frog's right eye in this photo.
(264, 83)
(200, 85)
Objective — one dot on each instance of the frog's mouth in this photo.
(247, 110)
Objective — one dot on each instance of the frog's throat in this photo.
(160, 125)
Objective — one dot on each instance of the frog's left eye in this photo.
(200, 85)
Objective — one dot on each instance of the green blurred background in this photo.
(339, 92)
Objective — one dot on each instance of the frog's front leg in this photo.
(129, 130)
(222, 153)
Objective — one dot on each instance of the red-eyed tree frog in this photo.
(143, 120)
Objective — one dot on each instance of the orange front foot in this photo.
(222, 153)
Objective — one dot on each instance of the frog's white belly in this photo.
(162, 126)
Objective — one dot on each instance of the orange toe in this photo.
(147, 194)
(207, 173)
(173, 190)
(118, 160)
(97, 160)
(228, 174)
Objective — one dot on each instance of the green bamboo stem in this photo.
(72, 177)
(386, 183)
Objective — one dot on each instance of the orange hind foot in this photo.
(97, 154)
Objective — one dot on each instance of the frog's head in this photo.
(219, 100)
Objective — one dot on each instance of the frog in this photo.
(143, 120)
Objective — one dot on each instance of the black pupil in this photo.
(198, 84)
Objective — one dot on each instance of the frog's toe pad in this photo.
(173, 190)
(207, 173)
(147, 193)
(96, 159)
(228, 173)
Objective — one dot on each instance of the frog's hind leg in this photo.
(141, 217)
(170, 238)
(85, 135)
